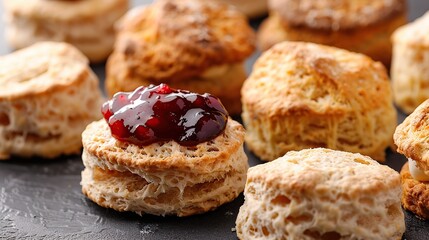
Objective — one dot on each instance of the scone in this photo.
(411, 139)
(48, 95)
(321, 194)
(188, 44)
(167, 152)
(86, 24)
(410, 64)
(252, 8)
(304, 95)
(362, 26)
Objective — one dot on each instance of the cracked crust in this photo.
(415, 194)
(304, 95)
(172, 41)
(338, 14)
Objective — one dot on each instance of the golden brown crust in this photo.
(176, 40)
(304, 95)
(415, 194)
(204, 158)
(335, 15)
(372, 40)
(411, 136)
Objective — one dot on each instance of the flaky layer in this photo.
(303, 95)
(321, 194)
(338, 14)
(162, 192)
(177, 40)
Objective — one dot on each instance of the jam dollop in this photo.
(160, 113)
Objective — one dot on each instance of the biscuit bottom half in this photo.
(166, 192)
(415, 194)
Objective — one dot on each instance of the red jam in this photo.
(160, 113)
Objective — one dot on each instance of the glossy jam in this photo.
(160, 113)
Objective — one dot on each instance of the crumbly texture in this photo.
(411, 136)
(163, 178)
(337, 14)
(88, 25)
(372, 40)
(48, 95)
(321, 194)
(304, 95)
(177, 42)
(252, 8)
(415, 194)
(410, 64)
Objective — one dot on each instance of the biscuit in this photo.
(415, 194)
(88, 25)
(163, 178)
(358, 26)
(321, 194)
(410, 64)
(48, 95)
(187, 44)
(304, 95)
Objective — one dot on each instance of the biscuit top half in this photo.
(173, 40)
(336, 14)
(296, 78)
(313, 170)
(415, 33)
(412, 136)
(208, 157)
(79, 11)
(40, 69)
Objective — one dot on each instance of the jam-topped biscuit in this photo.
(86, 24)
(163, 151)
(362, 26)
(304, 95)
(48, 95)
(188, 44)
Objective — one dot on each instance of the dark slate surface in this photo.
(42, 199)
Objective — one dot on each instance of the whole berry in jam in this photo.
(160, 113)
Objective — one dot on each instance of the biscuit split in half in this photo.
(362, 26)
(48, 95)
(163, 178)
(411, 138)
(304, 95)
(321, 194)
(189, 44)
(88, 24)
